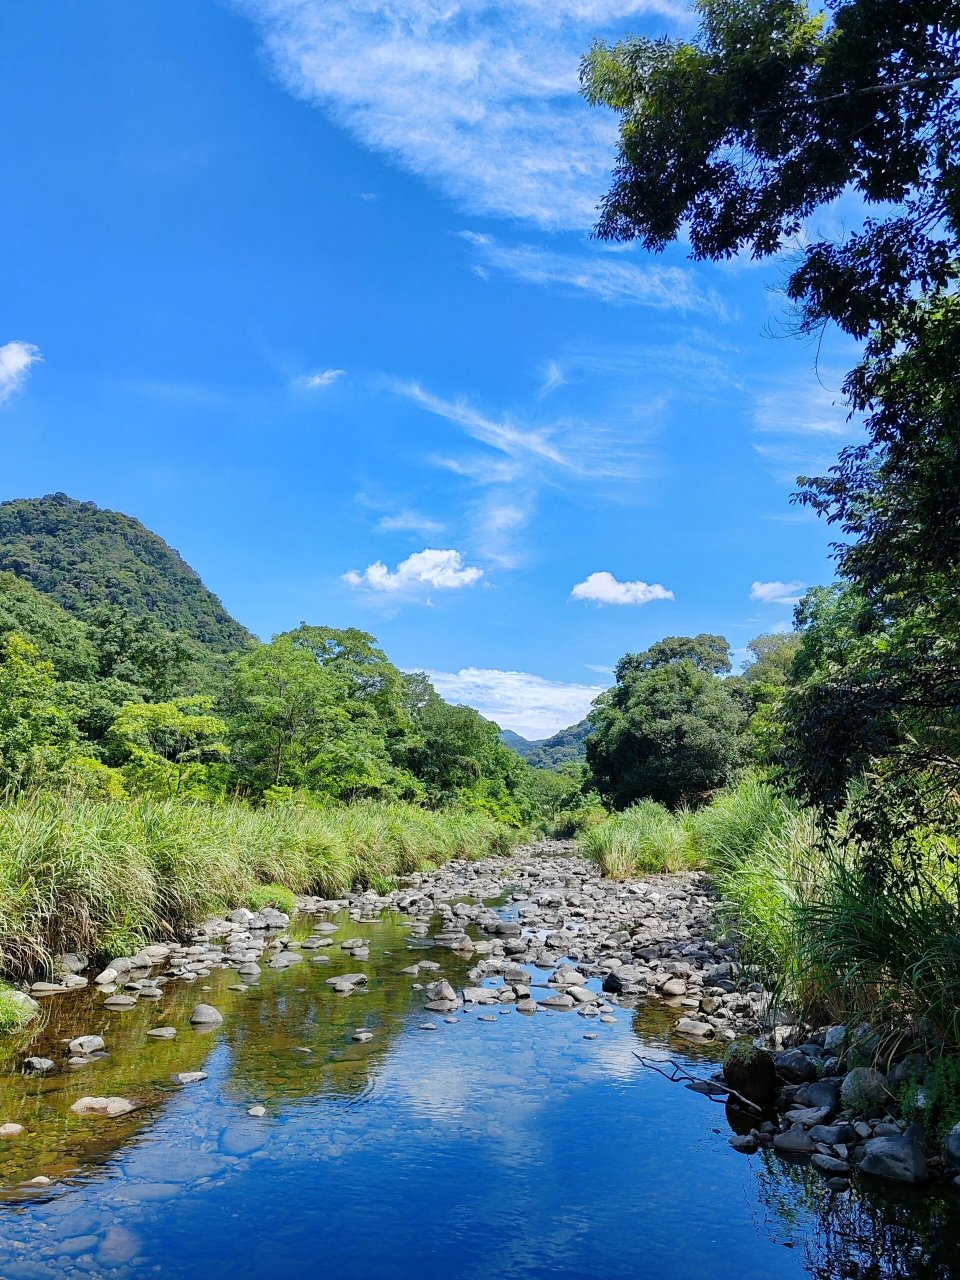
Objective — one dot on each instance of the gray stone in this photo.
(691, 1027)
(899, 1159)
(120, 1002)
(38, 1066)
(835, 1040)
(162, 1033)
(110, 1107)
(205, 1015)
(189, 1077)
(795, 1067)
(951, 1147)
(10, 1130)
(829, 1164)
(86, 1045)
(794, 1142)
(834, 1135)
(864, 1088)
(747, 1143)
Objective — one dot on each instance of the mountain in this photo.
(565, 747)
(82, 557)
(522, 746)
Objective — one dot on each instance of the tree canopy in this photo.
(671, 728)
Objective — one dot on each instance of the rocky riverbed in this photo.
(808, 1095)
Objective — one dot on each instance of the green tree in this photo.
(36, 733)
(670, 730)
(169, 748)
(775, 109)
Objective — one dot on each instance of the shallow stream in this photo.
(490, 1145)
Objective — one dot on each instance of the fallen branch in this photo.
(679, 1075)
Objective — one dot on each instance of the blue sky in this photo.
(308, 287)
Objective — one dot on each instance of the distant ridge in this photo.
(83, 556)
(566, 747)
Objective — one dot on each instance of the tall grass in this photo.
(88, 875)
(644, 839)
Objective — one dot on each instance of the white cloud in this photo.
(480, 99)
(777, 592)
(411, 522)
(503, 436)
(605, 589)
(599, 668)
(527, 704)
(443, 570)
(802, 408)
(15, 361)
(552, 378)
(322, 378)
(605, 276)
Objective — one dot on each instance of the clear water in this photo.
(513, 1148)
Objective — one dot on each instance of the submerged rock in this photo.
(102, 1107)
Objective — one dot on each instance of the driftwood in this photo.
(676, 1074)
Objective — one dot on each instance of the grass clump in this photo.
(94, 875)
(643, 840)
(271, 895)
(16, 1010)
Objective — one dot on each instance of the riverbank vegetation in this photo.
(841, 861)
(158, 763)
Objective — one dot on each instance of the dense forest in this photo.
(117, 676)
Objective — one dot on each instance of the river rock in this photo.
(162, 1033)
(120, 1002)
(85, 1045)
(10, 1130)
(794, 1142)
(189, 1077)
(205, 1015)
(751, 1072)
(747, 1143)
(834, 1041)
(441, 990)
(829, 1164)
(795, 1067)
(899, 1159)
(692, 1027)
(38, 1066)
(863, 1089)
(102, 1107)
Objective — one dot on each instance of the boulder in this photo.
(951, 1147)
(794, 1142)
(751, 1072)
(863, 1089)
(899, 1159)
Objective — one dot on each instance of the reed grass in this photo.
(92, 875)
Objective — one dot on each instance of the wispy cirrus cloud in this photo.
(16, 360)
(450, 88)
(411, 522)
(802, 423)
(606, 276)
(322, 378)
(528, 704)
(603, 588)
(442, 570)
(777, 592)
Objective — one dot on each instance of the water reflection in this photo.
(512, 1147)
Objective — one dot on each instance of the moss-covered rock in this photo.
(751, 1072)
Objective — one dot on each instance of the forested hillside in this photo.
(84, 557)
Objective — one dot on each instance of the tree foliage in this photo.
(774, 110)
(671, 728)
